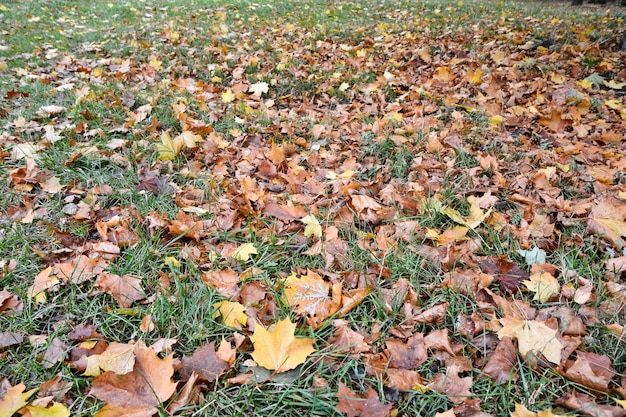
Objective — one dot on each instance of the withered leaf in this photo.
(508, 274)
(204, 363)
(361, 405)
(140, 391)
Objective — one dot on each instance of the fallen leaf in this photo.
(243, 252)
(231, 313)
(361, 405)
(502, 362)
(522, 411)
(544, 285)
(313, 226)
(449, 383)
(14, 399)
(591, 370)
(532, 336)
(140, 391)
(118, 358)
(124, 289)
(205, 363)
(55, 410)
(279, 349)
(312, 296)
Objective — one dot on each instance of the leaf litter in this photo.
(484, 152)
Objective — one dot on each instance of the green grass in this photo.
(297, 48)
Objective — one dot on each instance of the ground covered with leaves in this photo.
(312, 208)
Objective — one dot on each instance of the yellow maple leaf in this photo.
(118, 358)
(14, 399)
(168, 148)
(476, 214)
(243, 252)
(475, 77)
(55, 410)
(448, 236)
(188, 139)
(585, 83)
(228, 96)
(532, 336)
(544, 285)
(613, 104)
(231, 313)
(279, 349)
(313, 226)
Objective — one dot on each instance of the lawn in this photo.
(362, 208)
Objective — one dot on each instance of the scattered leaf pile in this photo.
(289, 164)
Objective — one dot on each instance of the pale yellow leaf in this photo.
(312, 227)
(532, 336)
(243, 252)
(55, 410)
(544, 285)
(118, 358)
(228, 96)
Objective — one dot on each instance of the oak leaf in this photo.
(532, 336)
(361, 405)
(279, 349)
(139, 392)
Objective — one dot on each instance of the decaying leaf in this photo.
(532, 336)
(312, 296)
(138, 392)
(361, 405)
(278, 349)
(205, 364)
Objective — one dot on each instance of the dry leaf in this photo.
(532, 336)
(279, 349)
(357, 405)
(140, 391)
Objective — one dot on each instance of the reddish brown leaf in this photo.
(500, 365)
(450, 384)
(508, 274)
(409, 355)
(142, 390)
(204, 363)
(361, 405)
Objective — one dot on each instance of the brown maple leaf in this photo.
(205, 363)
(508, 274)
(409, 355)
(140, 392)
(450, 384)
(361, 405)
